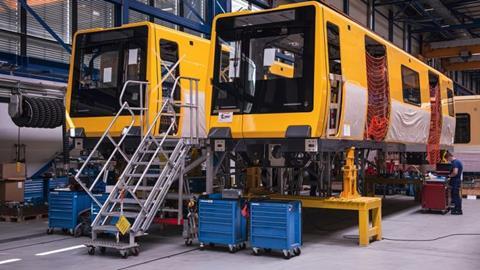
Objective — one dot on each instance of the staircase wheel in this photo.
(91, 250)
(103, 250)
(124, 254)
(135, 251)
(188, 242)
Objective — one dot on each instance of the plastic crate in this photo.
(276, 225)
(220, 222)
(65, 208)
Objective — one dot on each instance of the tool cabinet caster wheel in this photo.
(202, 246)
(49, 230)
(255, 251)
(188, 242)
(297, 251)
(232, 248)
(71, 232)
(91, 250)
(103, 250)
(135, 251)
(286, 254)
(124, 254)
(77, 232)
(243, 246)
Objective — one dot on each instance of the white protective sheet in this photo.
(448, 130)
(355, 113)
(408, 124)
(202, 130)
(469, 155)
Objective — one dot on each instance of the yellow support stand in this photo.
(349, 200)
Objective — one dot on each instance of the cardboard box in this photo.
(12, 190)
(12, 170)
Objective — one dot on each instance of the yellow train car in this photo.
(103, 60)
(346, 85)
(467, 140)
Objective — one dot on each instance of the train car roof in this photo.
(147, 23)
(326, 5)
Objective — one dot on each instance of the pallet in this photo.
(471, 191)
(21, 213)
(22, 218)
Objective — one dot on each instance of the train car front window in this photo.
(269, 66)
(227, 90)
(104, 61)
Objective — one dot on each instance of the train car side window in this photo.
(334, 58)
(335, 72)
(411, 86)
(451, 110)
(462, 128)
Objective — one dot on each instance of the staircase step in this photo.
(156, 175)
(118, 214)
(109, 244)
(148, 151)
(157, 163)
(105, 228)
(141, 188)
(128, 201)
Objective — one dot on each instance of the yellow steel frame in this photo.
(363, 205)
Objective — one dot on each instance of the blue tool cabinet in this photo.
(34, 191)
(220, 222)
(276, 225)
(64, 208)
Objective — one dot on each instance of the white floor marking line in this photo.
(10, 261)
(59, 250)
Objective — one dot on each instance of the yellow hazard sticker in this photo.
(123, 225)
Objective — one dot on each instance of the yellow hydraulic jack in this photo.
(349, 176)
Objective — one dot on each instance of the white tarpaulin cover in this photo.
(355, 113)
(408, 124)
(202, 130)
(448, 130)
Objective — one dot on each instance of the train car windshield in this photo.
(103, 62)
(264, 62)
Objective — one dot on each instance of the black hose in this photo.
(355, 237)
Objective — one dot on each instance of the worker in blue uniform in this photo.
(456, 177)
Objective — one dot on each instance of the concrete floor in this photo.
(329, 243)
